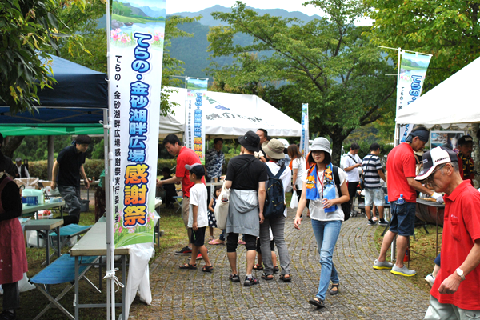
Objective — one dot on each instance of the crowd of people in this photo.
(258, 180)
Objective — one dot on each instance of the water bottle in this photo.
(400, 200)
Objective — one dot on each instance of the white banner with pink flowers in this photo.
(136, 42)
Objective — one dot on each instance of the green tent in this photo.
(40, 129)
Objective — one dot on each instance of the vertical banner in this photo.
(304, 140)
(136, 42)
(195, 117)
(412, 74)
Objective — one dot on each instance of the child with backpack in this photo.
(275, 211)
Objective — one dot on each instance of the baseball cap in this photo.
(249, 140)
(433, 158)
(464, 140)
(196, 168)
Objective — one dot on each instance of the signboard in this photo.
(136, 43)
(195, 117)
(304, 140)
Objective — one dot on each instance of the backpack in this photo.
(275, 199)
(345, 205)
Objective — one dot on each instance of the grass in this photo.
(422, 249)
(32, 302)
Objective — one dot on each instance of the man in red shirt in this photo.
(401, 182)
(454, 294)
(185, 156)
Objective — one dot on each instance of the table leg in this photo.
(124, 281)
(75, 296)
(58, 241)
(48, 246)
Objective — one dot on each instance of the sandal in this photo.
(275, 269)
(257, 267)
(207, 269)
(250, 282)
(234, 278)
(188, 266)
(317, 302)
(216, 241)
(333, 292)
(267, 276)
(285, 277)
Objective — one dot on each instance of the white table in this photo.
(44, 226)
(94, 243)
(47, 205)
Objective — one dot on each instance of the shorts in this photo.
(438, 310)
(374, 197)
(185, 210)
(403, 218)
(352, 189)
(198, 236)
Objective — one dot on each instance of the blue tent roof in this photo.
(79, 96)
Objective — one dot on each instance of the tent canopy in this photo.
(454, 101)
(49, 129)
(77, 97)
(232, 115)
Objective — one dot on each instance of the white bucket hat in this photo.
(321, 144)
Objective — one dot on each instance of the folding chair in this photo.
(61, 270)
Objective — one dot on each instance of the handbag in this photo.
(294, 201)
(221, 209)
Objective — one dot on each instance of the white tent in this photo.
(168, 124)
(233, 114)
(455, 101)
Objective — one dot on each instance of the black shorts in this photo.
(198, 237)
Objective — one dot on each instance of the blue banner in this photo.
(195, 117)
(304, 140)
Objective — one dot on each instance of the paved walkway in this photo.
(364, 292)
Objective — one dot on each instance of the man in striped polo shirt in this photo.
(372, 172)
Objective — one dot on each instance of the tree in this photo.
(27, 32)
(327, 63)
(447, 29)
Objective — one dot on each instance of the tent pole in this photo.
(51, 159)
(110, 271)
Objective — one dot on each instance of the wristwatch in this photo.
(460, 273)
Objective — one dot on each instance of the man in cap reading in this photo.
(454, 294)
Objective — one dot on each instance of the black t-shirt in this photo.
(7, 165)
(70, 161)
(248, 177)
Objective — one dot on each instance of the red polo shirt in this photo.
(186, 156)
(461, 227)
(400, 166)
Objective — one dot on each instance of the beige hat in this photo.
(274, 149)
(321, 144)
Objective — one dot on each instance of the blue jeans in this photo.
(326, 234)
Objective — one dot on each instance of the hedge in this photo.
(94, 167)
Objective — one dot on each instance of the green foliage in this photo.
(93, 168)
(326, 63)
(120, 8)
(447, 29)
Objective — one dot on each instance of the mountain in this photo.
(193, 51)
(208, 20)
(154, 12)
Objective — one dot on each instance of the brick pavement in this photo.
(365, 293)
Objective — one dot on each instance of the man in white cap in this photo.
(402, 187)
(22, 169)
(454, 294)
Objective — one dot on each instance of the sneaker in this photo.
(383, 222)
(199, 256)
(184, 250)
(371, 222)
(384, 265)
(403, 271)
(430, 279)
(250, 281)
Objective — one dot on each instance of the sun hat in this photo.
(321, 144)
(196, 168)
(433, 158)
(249, 140)
(274, 149)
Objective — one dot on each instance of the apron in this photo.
(13, 257)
